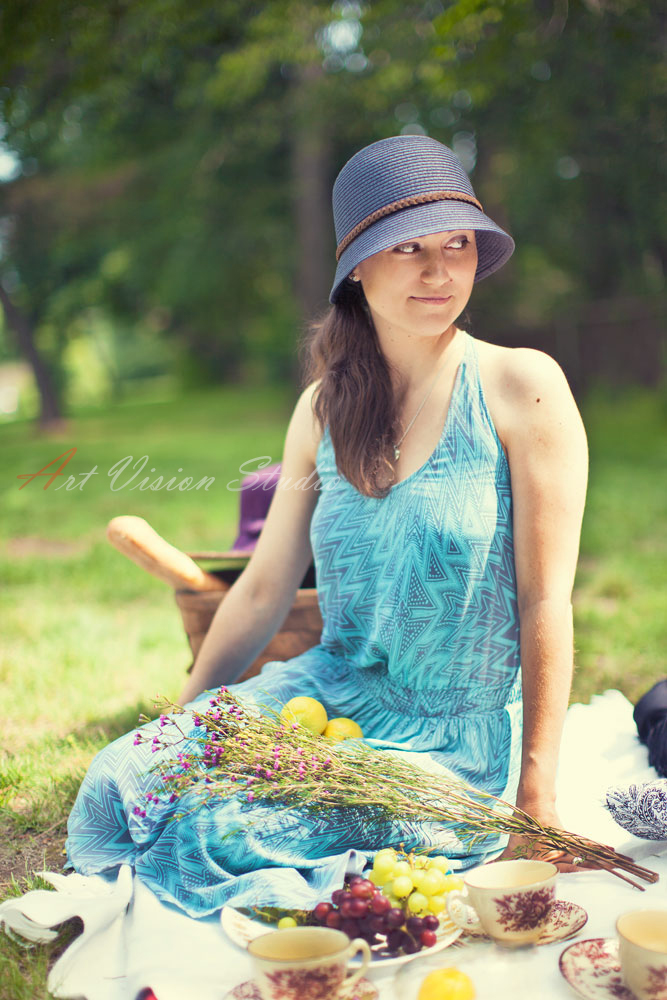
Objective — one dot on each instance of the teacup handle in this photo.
(358, 945)
(462, 913)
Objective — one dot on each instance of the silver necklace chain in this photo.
(397, 446)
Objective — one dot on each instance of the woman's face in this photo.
(423, 285)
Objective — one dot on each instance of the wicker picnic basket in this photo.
(198, 591)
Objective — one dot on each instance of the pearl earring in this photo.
(355, 277)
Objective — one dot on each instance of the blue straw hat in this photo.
(401, 188)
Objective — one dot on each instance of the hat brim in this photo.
(494, 245)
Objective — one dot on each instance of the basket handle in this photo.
(134, 537)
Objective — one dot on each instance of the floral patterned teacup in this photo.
(642, 952)
(305, 963)
(509, 900)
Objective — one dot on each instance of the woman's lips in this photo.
(432, 299)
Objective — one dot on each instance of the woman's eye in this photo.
(458, 243)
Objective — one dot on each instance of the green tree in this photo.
(177, 158)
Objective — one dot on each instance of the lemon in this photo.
(307, 712)
(447, 984)
(342, 729)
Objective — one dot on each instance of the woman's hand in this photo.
(545, 813)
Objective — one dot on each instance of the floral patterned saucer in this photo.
(363, 990)
(592, 970)
(565, 920)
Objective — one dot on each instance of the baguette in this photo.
(134, 537)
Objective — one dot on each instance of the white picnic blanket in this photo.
(131, 940)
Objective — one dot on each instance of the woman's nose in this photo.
(435, 268)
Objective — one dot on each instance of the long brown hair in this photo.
(355, 397)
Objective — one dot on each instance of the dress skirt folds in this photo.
(420, 646)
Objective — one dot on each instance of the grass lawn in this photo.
(88, 638)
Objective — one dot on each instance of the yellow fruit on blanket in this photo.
(307, 712)
(343, 729)
(447, 984)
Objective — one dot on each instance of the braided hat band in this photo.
(396, 206)
(402, 188)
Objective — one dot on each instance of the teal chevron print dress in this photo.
(420, 646)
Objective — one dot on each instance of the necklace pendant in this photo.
(397, 453)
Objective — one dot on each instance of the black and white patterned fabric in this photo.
(640, 809)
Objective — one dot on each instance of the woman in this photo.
(451, 479)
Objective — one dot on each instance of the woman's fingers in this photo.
(565, 862)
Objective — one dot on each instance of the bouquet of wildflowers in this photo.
(226, 748)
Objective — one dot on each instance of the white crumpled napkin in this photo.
(130, 941)
(101, 904)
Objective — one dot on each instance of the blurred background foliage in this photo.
(167, 166)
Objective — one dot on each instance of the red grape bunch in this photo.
(362, 910)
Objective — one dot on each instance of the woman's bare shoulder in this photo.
(522, 385)
(515, 371)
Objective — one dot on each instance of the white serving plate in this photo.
(242, 930)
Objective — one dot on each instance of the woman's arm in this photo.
(258, 603)
(546, 447)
